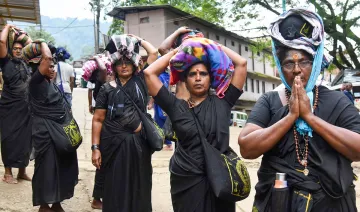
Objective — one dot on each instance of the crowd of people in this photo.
(304, 130)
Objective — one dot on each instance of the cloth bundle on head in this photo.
(31, 53)
(17, 35)
(192, 34)
(91, 65)
(124, 46)
(304, 30)
(61, 53)
(196, 50)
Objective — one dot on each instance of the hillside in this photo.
(78, 37)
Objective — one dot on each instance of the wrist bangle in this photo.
(94, 146)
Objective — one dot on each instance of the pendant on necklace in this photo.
(306, 172)
(303, 162)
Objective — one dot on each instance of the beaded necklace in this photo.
(305, 152)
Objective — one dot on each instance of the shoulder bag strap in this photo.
(61, 82)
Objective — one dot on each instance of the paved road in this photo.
(18, 198)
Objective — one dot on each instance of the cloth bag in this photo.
(227, 173)
(66, 135)
(153, 133)
(169, 133)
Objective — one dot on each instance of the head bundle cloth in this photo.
(120, 46)
(91, 65)
(304, 30)
(202, 50)
(17, 35)
(31, 53)
(124, 46)
(192, 34)
(62, 53)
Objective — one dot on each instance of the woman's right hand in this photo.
(294, 109)
(96, 158)
(183, 30)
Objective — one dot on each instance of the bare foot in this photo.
(168, 148)
(56, 207)
(96, 204)
(24, 177)
(8, 178)
(45, 208)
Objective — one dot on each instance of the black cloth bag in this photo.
(62, 127)
(169, 133)
(227, 174)
(154, 135)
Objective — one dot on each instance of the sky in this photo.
(67, 8)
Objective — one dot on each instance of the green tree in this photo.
(340, 18)
(116, 27)
(40, 34)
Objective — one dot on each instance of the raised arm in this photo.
(46, 59)
(166, 45)
(3, 40)
(154, 70)
(149, 48)
(240, 72)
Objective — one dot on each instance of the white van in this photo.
(238, 119)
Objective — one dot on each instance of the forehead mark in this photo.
(295, 56)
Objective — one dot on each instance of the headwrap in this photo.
(293, 29)
(17, 35)
(196, 50)
(124, 46)
(62, 53)
(31, 53)
(90, 66)
(192, 34)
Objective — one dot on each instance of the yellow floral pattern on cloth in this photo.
(241, 189)
(73, 133)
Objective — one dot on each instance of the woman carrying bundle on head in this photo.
(15, 121)
(201, 64)
(304, 130)
(118, 143)
(55, 136)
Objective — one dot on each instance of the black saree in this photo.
(15, 121)
(190, 188)
(55, 175)
(126, 156)
(328, 187)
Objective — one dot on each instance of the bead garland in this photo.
(305, 152)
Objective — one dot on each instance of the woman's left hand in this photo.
(304, 101)
(134, 36)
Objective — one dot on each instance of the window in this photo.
(239, 49)
(232, 43)
(207, 35)
(246, 85)
(263, 86)
(257, 86)
(246, 49)
(217, 37)
(252, 85)
(225, 43)
(176, 23)
(144, 20)
(273, 86)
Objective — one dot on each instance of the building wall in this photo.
(152, 31)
